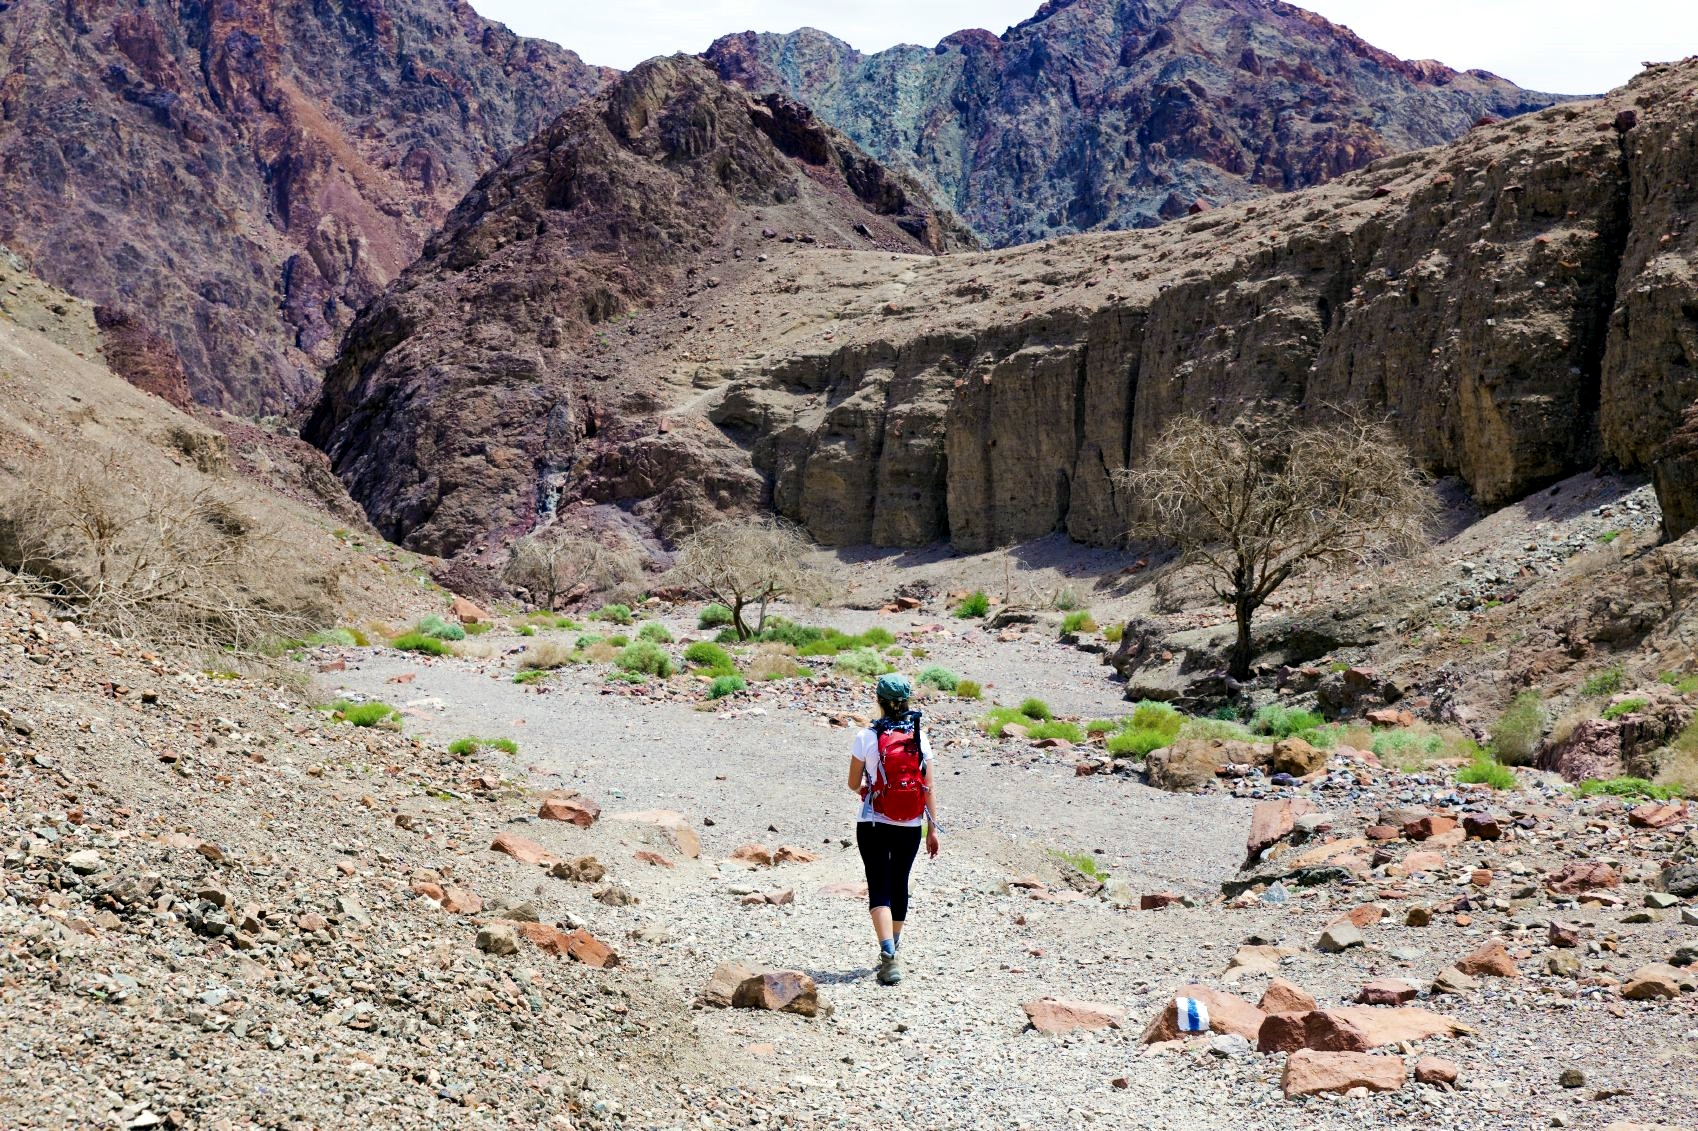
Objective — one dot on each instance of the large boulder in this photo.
(1227, 1014)
(781, 991)
(1186, 766)
(1295, 757)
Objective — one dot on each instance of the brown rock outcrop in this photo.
(243, 177)
(1308, 1073)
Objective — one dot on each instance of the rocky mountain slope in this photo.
(1520, 302)
(245, 176)
(503, 368)
(1122, 113)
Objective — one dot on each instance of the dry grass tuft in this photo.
(775, 661)
(545, 655)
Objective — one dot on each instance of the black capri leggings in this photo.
(887, 853)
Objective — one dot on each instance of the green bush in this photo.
(939, 677)
(1137, 743)
(975, 604)
(863, 663)
(968, 689)
(434, 625)
(618, 614)
(1160, 717)
(709, 657)
(331, 637)
(1284, 722)
(876, 637)
(1113, 633)
(1518, 730)
(363, 714)
(724, 685)
(1683, 684)
(419, 642)
(714, 616)
(530, 675)
(999, 717)
(586, 640)
(781, 631)
(1078, 622)
(1035, 709)
(645, 657)
(1624, 708)
(654, 631)
(618, 640)
(479, 628)
(1071, 732)
(1401, 745)
(1484, 770)
(627, 677)
(1607, 682)
(464, 747)
(1212, 728)
(527, 630)
(1066, 599)
(1103, 726)
(1633, 788)
(919, 653)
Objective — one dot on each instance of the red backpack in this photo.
(900, 793)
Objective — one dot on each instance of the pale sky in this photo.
(1565, 46)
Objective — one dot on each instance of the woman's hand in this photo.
(932, 844)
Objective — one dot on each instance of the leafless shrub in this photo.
(545, 655)
(555, 566)
(1253, 504)
(741, 562)
(775, 661)
(163, 560)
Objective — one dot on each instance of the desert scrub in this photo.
(1151, 715)
(1066, 599)
(1405, 747)
(709, 659)
(1624, 708)
(864, 663)
(1285, 722)
(654, 631)
(1102, 726)
(466, 747)
(1036, 709)
(1631, 788)
(1113, 633)
(474, 649)
(998, 717)
(713, 616)
(968, 689)
(939, 677)
(1483, 769)
(724, 685)
(546, 655)
(1682, 683)
(434, 625)
(364, 714)
(587, 639)
(975, 604)
(1607, 682)
(419, 642)
(1136, 743)
(1082, 862)
(1225, 730)
(617, 614)
(526, 630)
(1055, 728)
(530, 675)
(601, 652)
(646, 657)
(1518, 730)
(477, 628)
(1078, 622)
(775, 661)
(333, 638)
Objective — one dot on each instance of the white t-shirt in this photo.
(866, 749)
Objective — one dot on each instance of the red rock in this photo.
(1084, 769)
(722, 985)
(1561, 936)
(1386, 991)
(524, 850)
(788, 854)
(427, 889)
(1481, 878)
(468, 613)
(1417, 862)
(1282, 996)
(1383, 717)
(753, 854)
(1657, 814)
(1582, 876)
(1363, 917)
(1158, 900)
(1295, 757)
(647, 857)
(404, 677)
(577, 810)
(1054, 1015)
(1308, 1073)
(1350, 1029)
(1272, 821)
(1428, 826)
(1649, 983)
(1227, 1014)
(336, 665)
(782, 991)
(1381, 832)
(312, 921)
(461, 901)
(1481, 826)
(670, 824)
(1437, 1070)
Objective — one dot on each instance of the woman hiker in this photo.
(890, 767)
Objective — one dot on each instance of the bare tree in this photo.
(168, 562)
(1253, 504)
(741, 562)
(552, 565)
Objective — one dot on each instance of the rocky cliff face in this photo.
(243, 177)
(1122, 113)
(528, 354)
(1522, 304)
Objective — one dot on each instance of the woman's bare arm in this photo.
(857, 773)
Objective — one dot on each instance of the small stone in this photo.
(1450, 980)
(614, 896)
(1308, 1072)
(755, 854)
(1053, 1015)
(1282, 996)
(1418, 916)
(1437, 1070)
(1661, 900)
(1340, 937)
(575, 810)
(1562, 936)
(1427, 827)
(1572, 1078)
(522, 849)
(1386, 991)
(85, 862)
(782, 991)
(1491, 960)
(1562, 964)
(1481, 826)
(498, 939)
(1649, 983)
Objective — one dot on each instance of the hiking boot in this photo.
(889, 970)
